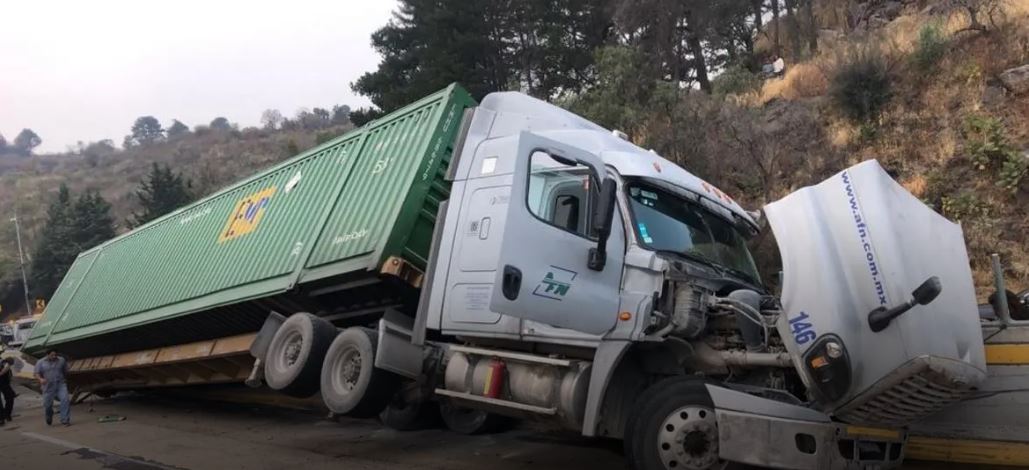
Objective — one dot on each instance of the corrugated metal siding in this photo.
(334, 203)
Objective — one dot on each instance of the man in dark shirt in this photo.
(51, 371)
(7, 403)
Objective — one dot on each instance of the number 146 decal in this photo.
(803, 332)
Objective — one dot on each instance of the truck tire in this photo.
(404, 416)
(351, 385)
(470, 421)
(673, 427)
(294, 358)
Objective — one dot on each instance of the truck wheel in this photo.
(673, 427)
(351, 385)
(295, 355)
(404, 416)
(470, 421)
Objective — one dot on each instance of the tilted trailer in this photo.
(512, 258)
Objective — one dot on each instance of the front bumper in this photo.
(759, 431)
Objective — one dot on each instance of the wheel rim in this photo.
(293, 344)
(347, 371)
(688, 438)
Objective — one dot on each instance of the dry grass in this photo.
(920, 135)
(804, 80)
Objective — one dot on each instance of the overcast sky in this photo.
(84, 70)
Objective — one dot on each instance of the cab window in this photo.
(560, 195)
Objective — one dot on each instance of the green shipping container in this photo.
(309, 234)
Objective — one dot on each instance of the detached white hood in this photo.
(858, 241)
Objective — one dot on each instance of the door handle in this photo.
(512, 282)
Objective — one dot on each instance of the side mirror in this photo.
(881, 317)
(928, 291)
(602, 217)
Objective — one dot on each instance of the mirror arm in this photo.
(881, 317)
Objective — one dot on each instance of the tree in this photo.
(160, 193)
(93, 223)
(94, 151)
(177, 129)
(271, 118)
(221, 124)
(25, 141)
(673, 33)
(3, 144)
(56, 249)
(146, 130)
(543, 47)
(340, 114)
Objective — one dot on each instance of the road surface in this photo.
(175, 432)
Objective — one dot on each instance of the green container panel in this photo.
(340, 207)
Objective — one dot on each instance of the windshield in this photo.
(667, 222)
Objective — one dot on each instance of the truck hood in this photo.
(858, 241)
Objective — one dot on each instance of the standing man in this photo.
(51, 371)
(7, 403)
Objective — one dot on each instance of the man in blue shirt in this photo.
(51, 371)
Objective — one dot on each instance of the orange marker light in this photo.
(819, 362)
(625, 316)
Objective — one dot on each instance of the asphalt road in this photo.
(175, 432)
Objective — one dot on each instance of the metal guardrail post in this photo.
(1002, 294)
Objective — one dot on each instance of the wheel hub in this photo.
(688, 438)
(291, 353)
(349, 370)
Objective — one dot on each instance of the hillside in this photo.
(954, 134)
(944, 124)
(210, 159)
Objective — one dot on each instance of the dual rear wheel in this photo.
(308, 354)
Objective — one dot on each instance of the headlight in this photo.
(829, 366)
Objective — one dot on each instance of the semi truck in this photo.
(511, 259)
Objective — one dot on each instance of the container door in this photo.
(542, 273)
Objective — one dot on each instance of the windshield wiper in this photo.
(721, 268)
(692, 257)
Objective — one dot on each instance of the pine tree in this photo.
(56, 249)
(92, 220)
(160, 193)
(71, 227)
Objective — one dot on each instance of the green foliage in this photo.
(736, 80)
(160, 193)
(292, 148)
(544, 47)
(71, 227)
(323, 137)
(56, 249)
(93, 221)
(620, 99)
(868, 132)
(221, 124)
(177, 129)
(362, 116)
(146, 130)
(862, 86)
(930, 48)
(989, 149)
(25, 141)
(964, 206)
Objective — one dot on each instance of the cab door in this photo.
(543, 273)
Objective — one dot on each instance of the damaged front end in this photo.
(878, 300)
